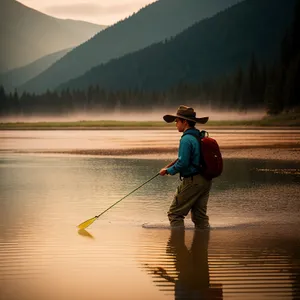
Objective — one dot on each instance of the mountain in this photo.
(152, 24)
(211, 48)
(27, 35)
(12, 79)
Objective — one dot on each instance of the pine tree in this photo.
(3, 100)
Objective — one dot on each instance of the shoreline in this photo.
(167, 127)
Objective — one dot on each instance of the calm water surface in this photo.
(124, 139)
(252, 252)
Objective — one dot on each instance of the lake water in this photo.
(252, 251)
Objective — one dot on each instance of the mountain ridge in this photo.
(195, 54)
(15, 77)
(151, 24)
(28, 34)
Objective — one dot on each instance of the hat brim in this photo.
(171, 118)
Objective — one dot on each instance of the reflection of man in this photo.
(191, 266)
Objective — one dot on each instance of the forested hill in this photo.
(151, 24)
(210, 48)
(27, 35)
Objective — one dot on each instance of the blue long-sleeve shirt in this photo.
(188, 155)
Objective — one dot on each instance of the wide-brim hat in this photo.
(187, 113)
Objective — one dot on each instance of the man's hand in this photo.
(163, 172)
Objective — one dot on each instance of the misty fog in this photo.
(154, 115)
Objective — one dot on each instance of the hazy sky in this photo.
(104, 12)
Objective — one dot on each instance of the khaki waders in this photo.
(191, 195)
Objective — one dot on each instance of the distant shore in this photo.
(288, 121)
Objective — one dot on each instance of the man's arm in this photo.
(171, 164)
(163, 171)
(184, 153)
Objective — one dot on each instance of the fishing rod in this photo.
(88, 222)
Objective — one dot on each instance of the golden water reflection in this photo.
(43, 256)
(85, 233)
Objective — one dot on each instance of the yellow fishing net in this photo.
(87, 223)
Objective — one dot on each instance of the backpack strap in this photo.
(204, 133)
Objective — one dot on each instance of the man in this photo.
(193, 192)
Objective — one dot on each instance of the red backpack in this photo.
(211, 161)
